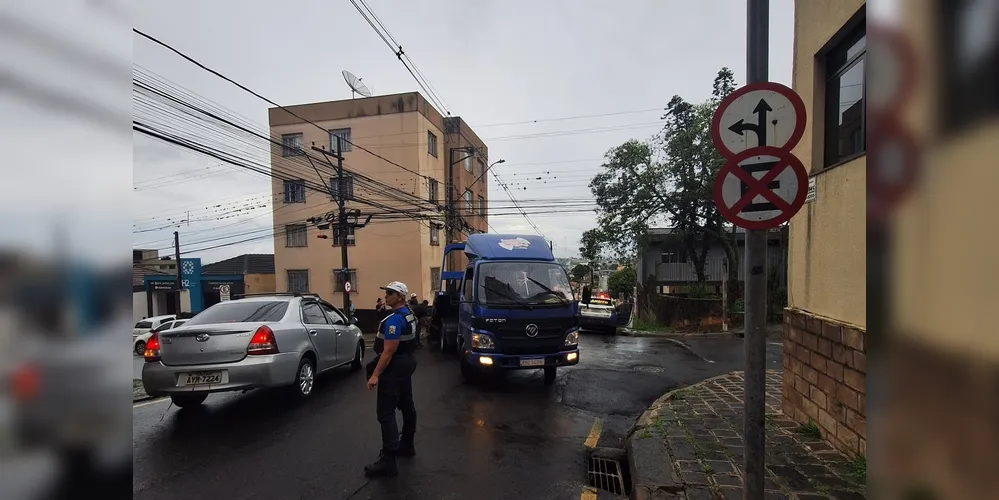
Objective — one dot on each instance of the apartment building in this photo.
(398, 156)
(825, 373)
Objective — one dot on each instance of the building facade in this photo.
(826, 318)
(398, 158)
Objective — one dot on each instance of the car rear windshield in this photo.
(144, 324)
(237, 311)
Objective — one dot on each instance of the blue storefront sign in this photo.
(190, 279)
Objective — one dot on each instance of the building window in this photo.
(432, 187)
(482, 167)
(339, 280)
(294, 191)
(435, 279)
(351, 240)
(298, 280)
(969, 56)
(432, 144)
(468, 162)
(296, 235)
(435, 235)
(674, 256)
(348, 187)
(846, 89)
(291, 145)
(468, 202)
(482, 206)
(343, 133)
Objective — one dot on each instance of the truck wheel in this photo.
(550, 373)
(468, 372)
(449, 337)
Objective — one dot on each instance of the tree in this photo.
(581, 271)
(622, 282)
(668, 180)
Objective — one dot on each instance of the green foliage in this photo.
(666, 181)
(622, 282)
(581, 272)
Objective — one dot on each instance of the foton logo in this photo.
(515, 243)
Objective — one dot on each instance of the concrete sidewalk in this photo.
(689, 445)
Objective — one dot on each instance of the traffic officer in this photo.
(392, 373)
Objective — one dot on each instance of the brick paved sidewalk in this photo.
(697, 431)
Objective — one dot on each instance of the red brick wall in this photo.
(825, 378)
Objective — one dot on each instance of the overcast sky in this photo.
(492, 61)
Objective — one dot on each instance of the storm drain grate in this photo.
(606, 475)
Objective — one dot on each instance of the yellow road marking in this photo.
(589, 493)
(151, 402)
(591, 440)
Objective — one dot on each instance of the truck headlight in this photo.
(482, 341)
(572, 338)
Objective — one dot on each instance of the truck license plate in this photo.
(532, 362)
(200, 378)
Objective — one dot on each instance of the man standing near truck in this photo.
(392, 373)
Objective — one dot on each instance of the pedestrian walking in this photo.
(391, 372)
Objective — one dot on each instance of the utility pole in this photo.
(757, 63)
(342, 223)
(176, 255)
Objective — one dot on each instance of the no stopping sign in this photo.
(761, 188)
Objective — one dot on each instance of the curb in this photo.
(647, 475)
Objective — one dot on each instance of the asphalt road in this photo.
(512, 438)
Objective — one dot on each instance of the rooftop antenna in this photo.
(356, 85)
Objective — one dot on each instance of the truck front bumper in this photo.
(491, 361)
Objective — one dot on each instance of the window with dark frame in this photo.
(435, 235)
(432, 187)
(482, 167)
(845, 97)
(348, 186)
(435, 279)
(468, 202)
(340, 279)
(674, 256)
(294, 191)
(298, 280)
(482, 206)
(343, 133)
(468, 161)
(296, 235)
(291, 145)
(432, 144)
(968, 58)
(351, 238)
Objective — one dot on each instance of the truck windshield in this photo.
(517, 283)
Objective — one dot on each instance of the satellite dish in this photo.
(356, 85)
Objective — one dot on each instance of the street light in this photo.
(483, 174)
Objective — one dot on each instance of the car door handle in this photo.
(338, 333)
(313, 332)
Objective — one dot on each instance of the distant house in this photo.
(257, 271)
(665, 264)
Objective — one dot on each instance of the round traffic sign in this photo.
(893, 168)
(759, 114)
(897, 71)
(346, 286)
(761, 188)
(224, 289)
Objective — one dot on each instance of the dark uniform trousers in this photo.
(395, 385)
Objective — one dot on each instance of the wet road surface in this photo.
(510, 438)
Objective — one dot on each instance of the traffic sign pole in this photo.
(755, 342)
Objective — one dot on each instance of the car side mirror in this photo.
(353, 320)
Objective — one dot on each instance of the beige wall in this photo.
(394, 127)
(259, 283)
(827, 242)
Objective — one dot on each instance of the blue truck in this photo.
(510, 308)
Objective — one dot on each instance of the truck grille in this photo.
(518, 329)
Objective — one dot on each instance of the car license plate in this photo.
(532, 362)
(200, 378)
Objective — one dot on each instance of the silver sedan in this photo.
(272, 340)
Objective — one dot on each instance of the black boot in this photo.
(385, 466)
(406, 448)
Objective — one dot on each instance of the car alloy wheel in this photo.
(306, 378)
(140, 348)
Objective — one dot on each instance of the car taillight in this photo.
(152, 353)
(262, 342)
(24, 382)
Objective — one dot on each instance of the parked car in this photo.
(599, 314)
(139, 342)
(149, 324)
(265, 340)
